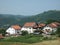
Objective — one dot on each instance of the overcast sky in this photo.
(28, 7)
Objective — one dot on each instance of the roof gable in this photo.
(30, 24)
(53, 25)
(16, 27)
(41, 25)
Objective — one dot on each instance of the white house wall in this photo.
(54, 29)
(47, 28)
(16, 31)
(30, 30)
(51, 29)
(10, 30)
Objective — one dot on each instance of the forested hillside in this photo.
(8, 19)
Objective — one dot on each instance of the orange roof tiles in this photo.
(29, 24)
(16, 27)
(53, 25)
(41, 25)
(1, 36)
(56, 23)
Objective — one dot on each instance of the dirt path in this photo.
(54, 42)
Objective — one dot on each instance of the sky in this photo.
(28, 7)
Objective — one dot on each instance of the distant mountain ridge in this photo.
(19, 19)
(51, 14)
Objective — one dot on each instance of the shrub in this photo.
(23, 39)
(3, 31)
(58, 32)
(24, 32)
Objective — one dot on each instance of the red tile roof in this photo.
(36, 26)
(30, 24)
(1, 36)
(54, 24)
(16, 27)
(41, 25)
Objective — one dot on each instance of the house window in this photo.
(29, 28)
(48, 30)
(17, 32)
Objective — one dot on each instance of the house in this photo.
(30, 27)
(47, 30)
(50, 28)
(14, 30)
(1, 36)
(57, 23)
(39, 28)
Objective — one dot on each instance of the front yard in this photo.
(50, 42)
(27, 39)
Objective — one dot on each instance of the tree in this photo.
(50, 21)
(3, 32)
(58, 32)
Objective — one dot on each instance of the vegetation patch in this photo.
(26, 39)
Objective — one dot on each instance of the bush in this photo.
(24, 32)
(58, 32)
(24, 39)
(30, 38)
(3, 31)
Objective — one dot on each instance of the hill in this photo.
(52, 14)
(8, 19)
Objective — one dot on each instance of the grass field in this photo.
(26, 39)
(30, 40)
(23, 39)
(51, 42)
